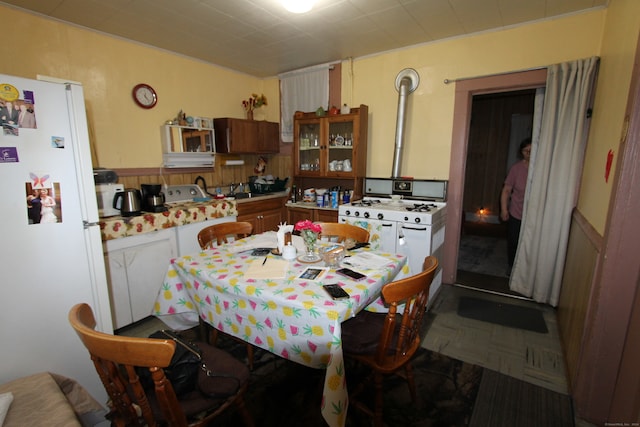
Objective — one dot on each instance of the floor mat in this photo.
(513, 316)
(506, 401)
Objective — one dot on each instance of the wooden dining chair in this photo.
(386, 342)
(219, 233)
(118, 360)
(339, 232)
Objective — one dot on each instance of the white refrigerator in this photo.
(51, 254)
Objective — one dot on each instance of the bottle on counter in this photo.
(294, 194)
(334, 199)
(346, 198)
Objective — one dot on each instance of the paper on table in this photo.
(264, 240)
(272, 269)
(366, 260)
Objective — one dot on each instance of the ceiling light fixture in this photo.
(298, 6)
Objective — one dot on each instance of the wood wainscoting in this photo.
(280, 166)
(583, 252)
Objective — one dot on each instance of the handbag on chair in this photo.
(188, 370)
(185, 363)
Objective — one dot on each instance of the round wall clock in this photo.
(144, 95)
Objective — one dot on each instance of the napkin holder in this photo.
(284, 236)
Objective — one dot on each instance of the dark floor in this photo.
(480, 281)
(485, 229)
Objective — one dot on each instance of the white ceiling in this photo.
(260, 38)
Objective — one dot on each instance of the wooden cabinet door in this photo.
(268, 137)
(265, 215)
(317, 215)
(326, 215)
(271, 220)
(236, 135)
(298, 214)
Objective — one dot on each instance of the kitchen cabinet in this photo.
(240, 136)
(268, 137)
(136, 267)
(184, 146)
(297, 213)
(331, 150)
(265, 215)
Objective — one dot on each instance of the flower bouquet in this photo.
(309, 232)
(252, 103)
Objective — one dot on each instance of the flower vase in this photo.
(250, 115)
(259, 114)
(309, 238)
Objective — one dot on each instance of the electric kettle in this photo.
(129, 202)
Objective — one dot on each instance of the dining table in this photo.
(278, 305)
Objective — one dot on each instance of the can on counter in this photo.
(334, 199)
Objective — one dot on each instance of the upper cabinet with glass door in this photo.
(184, 146)
(331, 146)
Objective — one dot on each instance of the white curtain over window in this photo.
(554, 175)
(303, 90)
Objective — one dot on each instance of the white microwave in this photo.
(105, 193)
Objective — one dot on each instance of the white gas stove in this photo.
(402, 216)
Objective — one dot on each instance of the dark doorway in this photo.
(499, 122)
(465, 91)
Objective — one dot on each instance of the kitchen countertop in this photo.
(309, 205)
(116, 227)
(257, 197)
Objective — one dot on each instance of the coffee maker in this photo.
(152, 198)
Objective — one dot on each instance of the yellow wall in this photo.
(430, 112)
(124, 135)
(617, 55)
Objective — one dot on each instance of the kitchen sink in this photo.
(239, 195)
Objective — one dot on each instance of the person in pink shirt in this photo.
(512, 199)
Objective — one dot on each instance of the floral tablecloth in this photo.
(178, 214)
(290, 317)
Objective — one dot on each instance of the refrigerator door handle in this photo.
(86, 224)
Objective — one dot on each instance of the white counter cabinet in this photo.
(136, 267)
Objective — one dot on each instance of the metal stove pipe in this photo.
(406, 82)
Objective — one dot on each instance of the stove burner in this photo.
(422, 207)
(365, 203)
